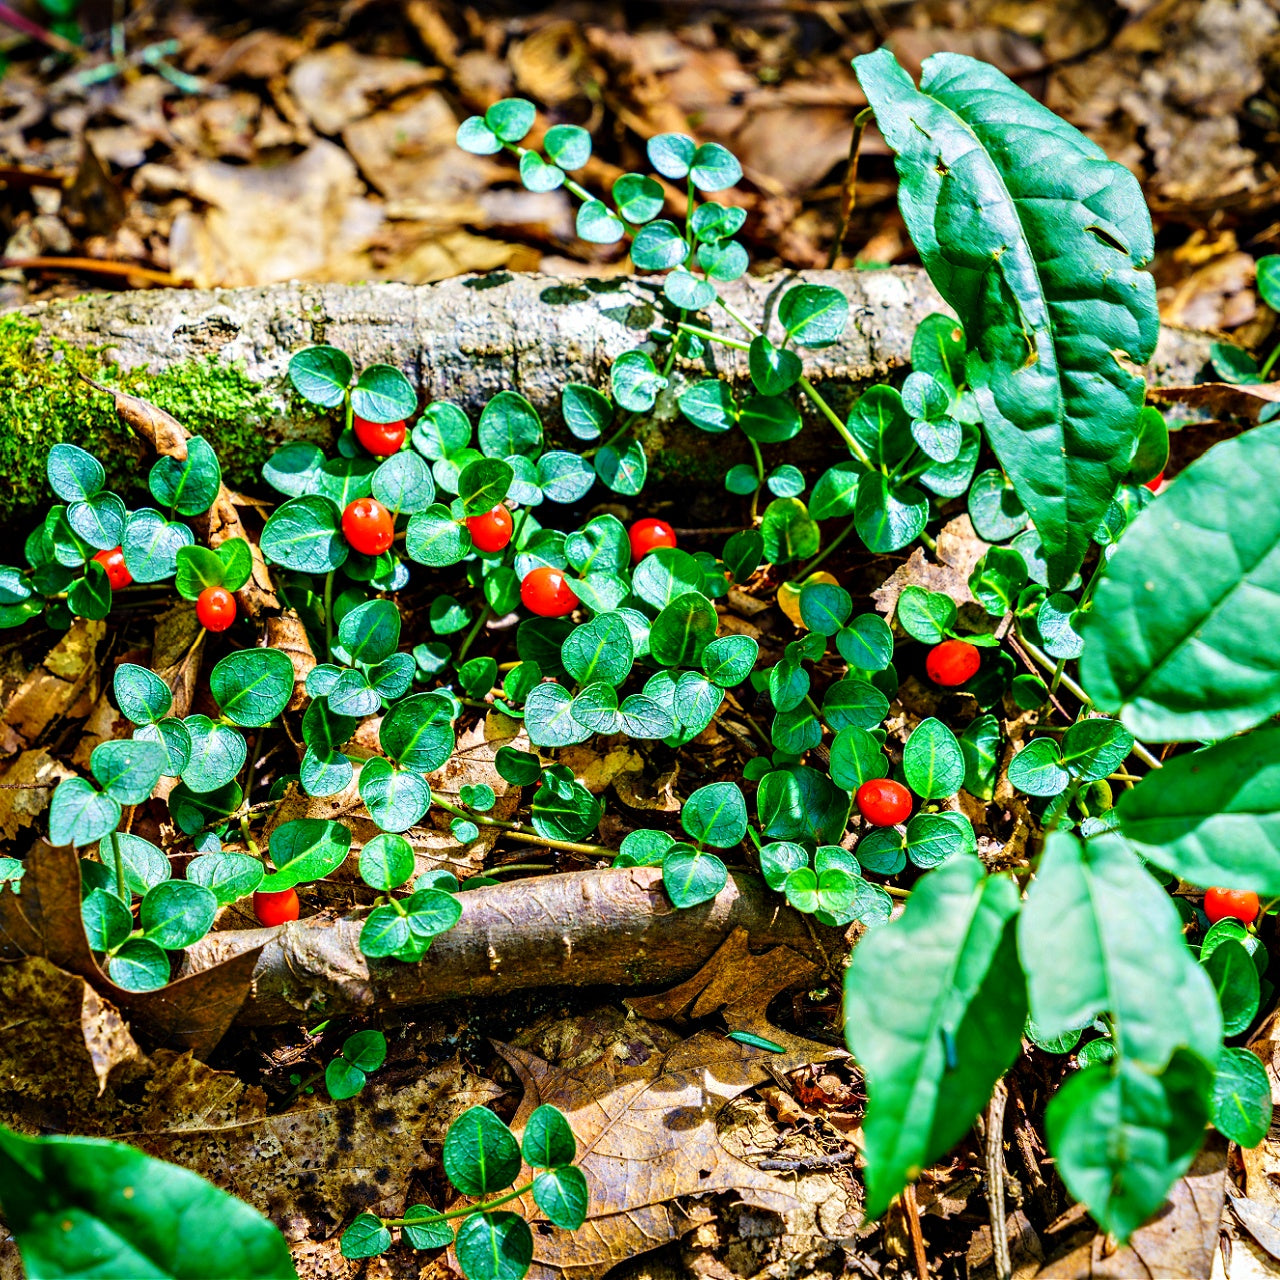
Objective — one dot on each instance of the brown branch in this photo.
(585, 928)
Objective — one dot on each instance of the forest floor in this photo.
(224, 145)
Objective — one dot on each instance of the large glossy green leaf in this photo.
(1121, 1136)
(1212, 816)
(85, 1207)
(1181, 639)
(1098, 935)
(934, 1011)
(1037, 240)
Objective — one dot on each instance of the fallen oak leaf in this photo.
(53, 689)
(1222, 399)
(168, 437)
(44, 920)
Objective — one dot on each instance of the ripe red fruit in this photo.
(368, 526)
(276, 908)
(215, 608)
(491, 531)
(952, 662)
(883, 802)
(648, 535)
(1154, 485)
(1236, 904)
(382, 439)
(545, 592)
(117, 573)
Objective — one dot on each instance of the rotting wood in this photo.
(583, 928)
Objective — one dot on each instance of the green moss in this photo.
(43, 401)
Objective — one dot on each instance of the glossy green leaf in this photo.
(932, 761)
(494, 1246)
(305, 534)
(123, 1208)
(188, 485)
(321, 375)
(1212, 816)
(1241, 1097)
(691, 877)
(1122, 1135)
(934, 1011)
(305, 849)
(1037, 240)
(1098, 935)
(1180, 641)
(481, 1154)
(253, 686)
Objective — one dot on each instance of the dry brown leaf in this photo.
(304, 219)
(103, 724)
(53, 689)
(60, 1042)
(1223, 399)
(1261, 1221)
(287, 634)
(44, 920)
(26, 789)
(410, 152)
(1177, 1244)
(959, 549)
(337, 85)
(644, 1105)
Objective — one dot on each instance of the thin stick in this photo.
(995, 1181)
(912, 1211)
(98, 267)
(1141, 750)
(849, 195)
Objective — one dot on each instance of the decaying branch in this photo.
(582, 928)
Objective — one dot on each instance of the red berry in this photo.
(368, 526)
(648, 535)
(117, 572)
(215, 608)
(382, 439)
(546, 593)
(952, 663)
(1236, 904)
(276, 908)
(883, 802)
(1154, 485)
(491, 531)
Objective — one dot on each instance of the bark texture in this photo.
(217, 359)
(467, 338)
(582, 928)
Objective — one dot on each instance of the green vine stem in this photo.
(517, 831)
(1140, 749)
(465, 1211)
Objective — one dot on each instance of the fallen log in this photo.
(216, 360)
(581, 928)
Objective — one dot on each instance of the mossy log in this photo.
(216, 360)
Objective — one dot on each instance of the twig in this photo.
(1023, 1136)
(98, 267)
(849, 194)
(995, 1181)
(912, 1211)
(829, 1160)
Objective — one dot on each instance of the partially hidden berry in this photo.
(1234, 904)
(382, 439)
(1154, 485)
(276, 908)
(492, 530)
(117, 572)
(368, 527)
(883, 802)
(952, 663)
(546, 592)
(648, 535)
(215, 608)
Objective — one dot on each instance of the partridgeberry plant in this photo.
(571, 613)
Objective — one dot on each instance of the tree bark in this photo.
(581, 928)
(468, 338)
